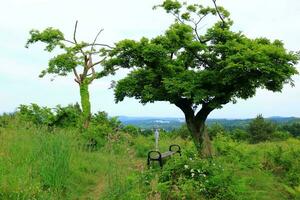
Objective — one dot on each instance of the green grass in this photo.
(36, 163)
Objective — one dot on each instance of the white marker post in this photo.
(156, 135)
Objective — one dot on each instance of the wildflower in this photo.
(198, 170)
(192, 170)
(191, 158)
(193, 174)
(186, 166)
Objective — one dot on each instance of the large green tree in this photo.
(200, 70)
(77, 57)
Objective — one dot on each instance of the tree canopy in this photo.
(75, 57)
(189, 67)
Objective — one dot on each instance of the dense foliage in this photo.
(200, 69)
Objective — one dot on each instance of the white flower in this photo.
(186, 166)
(193, 174)
(192, 170)
(198, 170)
(191, 158)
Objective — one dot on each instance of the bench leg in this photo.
(160, 163)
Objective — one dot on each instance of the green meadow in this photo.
(48, 162)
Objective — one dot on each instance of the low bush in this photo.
(215, 129)
(284, 163)
(182, 132)
(40, 116)
(133, 130)
(239, 134)
(194, 178)
(68, 116)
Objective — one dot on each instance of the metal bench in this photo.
(157, 156)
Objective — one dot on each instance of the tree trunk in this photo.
(85, 103)
(200, 137)
(196, 125)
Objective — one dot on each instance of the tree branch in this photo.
(74, 38)
(69, 41)
(74, 34)
(77, 79)
(199, 58)
(177, 17)
(186, 106)
(96, 39)
(99, 44)
(89, 62)
(203, 113)
(96, 63)
(219, 14)
(196, 29)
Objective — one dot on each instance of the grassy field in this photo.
(38, 163)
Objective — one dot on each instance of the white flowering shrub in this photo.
(189, 177)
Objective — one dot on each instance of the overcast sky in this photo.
(20, 67)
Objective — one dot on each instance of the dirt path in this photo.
(95, 193)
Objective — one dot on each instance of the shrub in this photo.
(143, 145)
(239, 134)
(36, 114)
(132, 130)
(101, 118)
(5, 119)
(261, 130)
(284, 163)
(68, 116)
(224, 145)
(281, 135)
(293, 128)
(182, 132)
(193, 178)
(95, 136)
(215, 129)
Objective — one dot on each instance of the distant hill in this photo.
(169, 123)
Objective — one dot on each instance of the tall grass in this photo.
(54, 162)
(37, 163)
